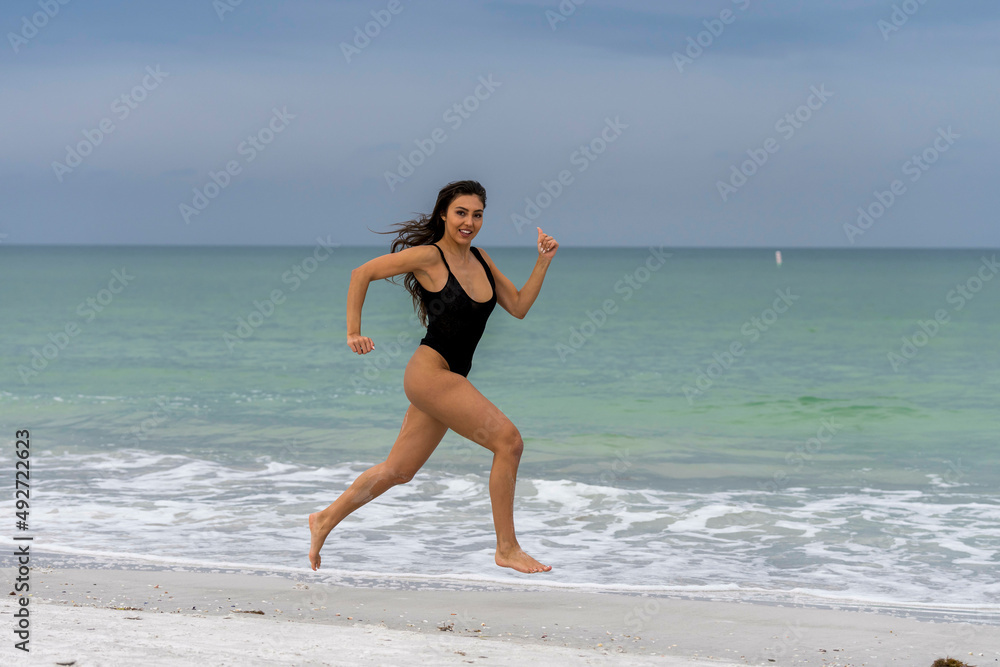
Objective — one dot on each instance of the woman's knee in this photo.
(516, 447)
(403, 476)
(393, 475)
(507, 440)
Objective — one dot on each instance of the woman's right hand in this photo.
(360, 344)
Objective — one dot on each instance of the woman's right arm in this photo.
(408, 260)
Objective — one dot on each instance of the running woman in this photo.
(454, 288)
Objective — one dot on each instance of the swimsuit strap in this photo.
(442, 257)
(489, 274)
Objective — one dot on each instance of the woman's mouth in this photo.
(464, 232)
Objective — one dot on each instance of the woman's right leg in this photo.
(419, 435)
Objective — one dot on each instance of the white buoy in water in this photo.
(777, 257)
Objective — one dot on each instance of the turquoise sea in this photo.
(703, 423)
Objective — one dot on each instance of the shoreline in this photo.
(981, 614)
(216, 616)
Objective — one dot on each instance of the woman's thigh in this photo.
(418, 437)
(451, 399)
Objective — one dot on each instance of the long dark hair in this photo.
(427, 229)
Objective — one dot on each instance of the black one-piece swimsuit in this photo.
(455, 322)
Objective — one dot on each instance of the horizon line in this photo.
(366, 245)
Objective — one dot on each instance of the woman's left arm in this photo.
(515, 301)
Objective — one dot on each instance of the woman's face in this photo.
(463, 219)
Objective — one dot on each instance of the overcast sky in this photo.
(773, 131)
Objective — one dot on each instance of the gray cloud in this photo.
(353, 120)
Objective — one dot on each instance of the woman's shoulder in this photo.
(423, 252)
(485, 255)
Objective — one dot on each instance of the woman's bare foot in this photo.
(520, 561)
(318, 533)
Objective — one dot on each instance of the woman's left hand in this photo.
(547, 245)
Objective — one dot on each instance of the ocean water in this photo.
(695, 421)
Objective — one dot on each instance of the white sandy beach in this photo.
(171, 617)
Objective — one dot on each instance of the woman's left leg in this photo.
(419, 435)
